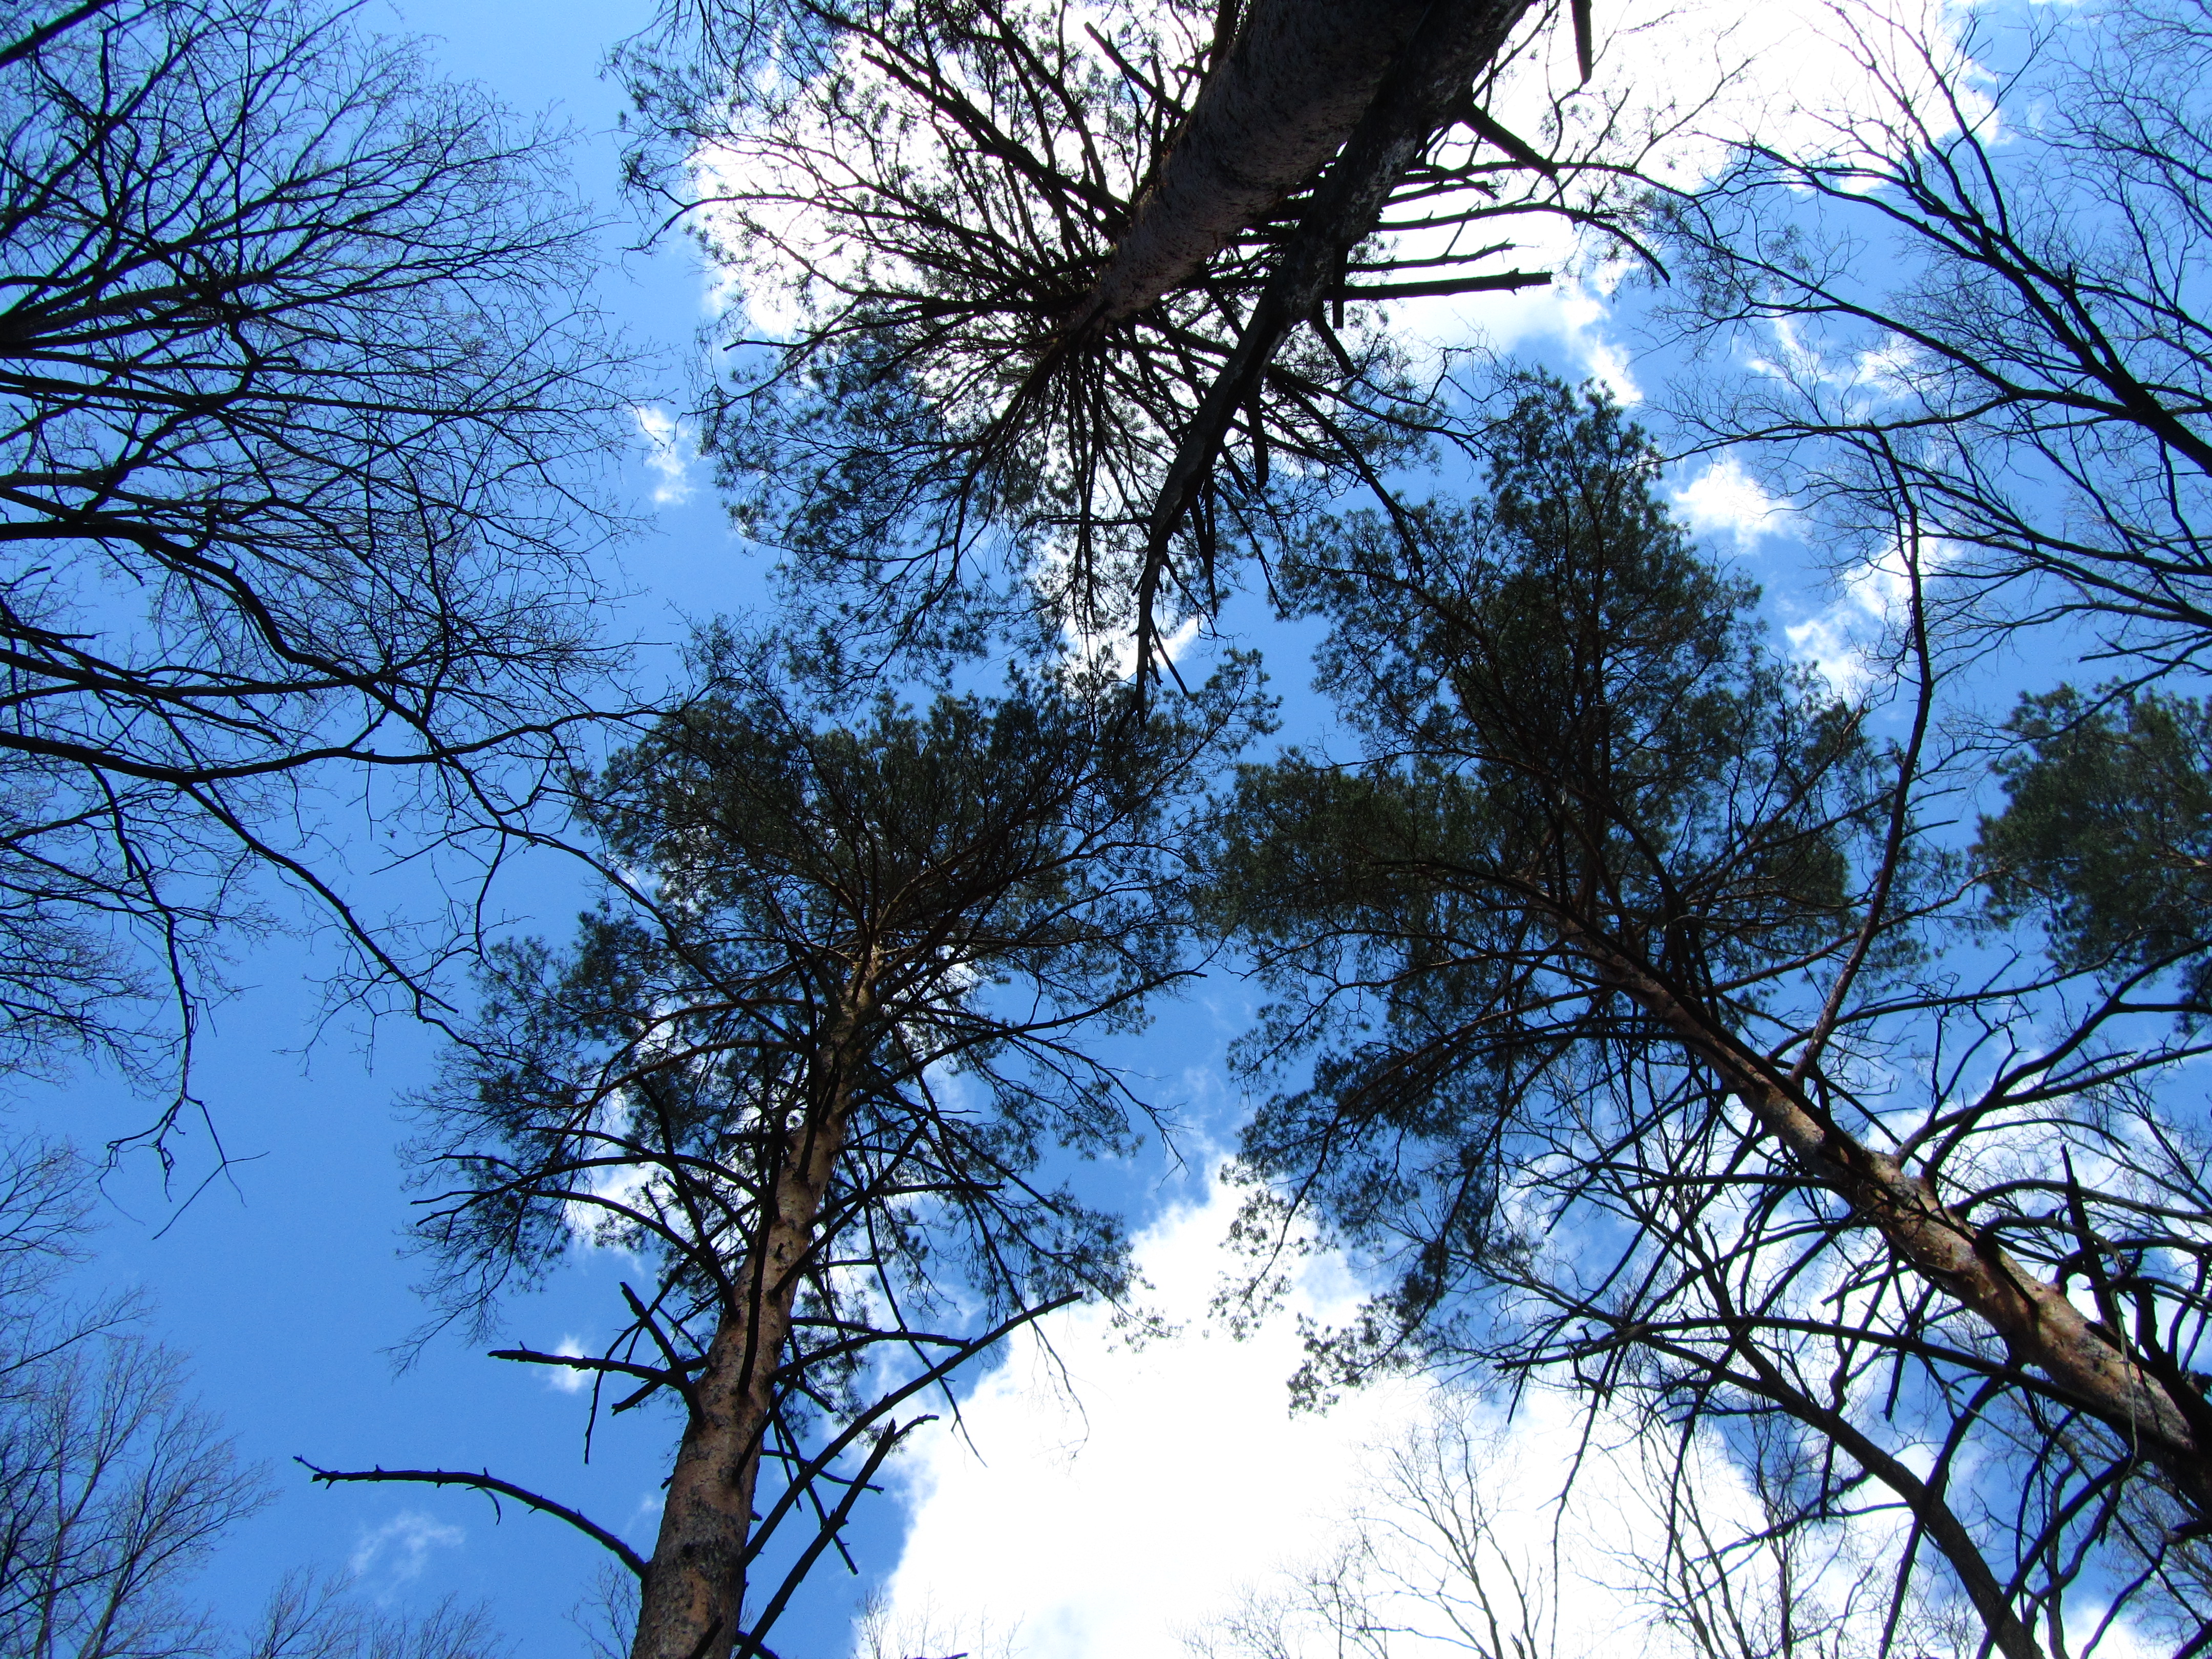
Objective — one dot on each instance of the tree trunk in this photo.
(1283, 101)
(2041, 1325)
(694, 1593)
(1416, 97)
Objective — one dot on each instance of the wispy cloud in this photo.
(397, 1552)
(1725, 500)
(1872, 600)
(671, 448)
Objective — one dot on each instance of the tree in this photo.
(2027, 392)
(2035, 379)
(1431, 1559)
(115, 1487)
(2106, 835)
(1051, 282)
(817, 1063)
(1458, 1545)
(310, 1619)
(1659, 1044)
(112, 1488)
(304, 415)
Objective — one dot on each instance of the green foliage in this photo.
(1578, 759)
(1560, 658)
(1004, 876)
(2106, 835)
(1621, 1029)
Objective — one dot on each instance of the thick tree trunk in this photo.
(1455, 42)
(694, 1590)
(1416, 95)
(1282, 102)
(2041, 1325)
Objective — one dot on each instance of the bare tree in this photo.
(926, 1634)
(112, 1488)
(304, 415)
(1433, 1558)
(1659, 1043)
(1457, 1546)
(810, 1063)
(307, 1618)
(1071, 285)
(115, 1487)
(1988, 293)
(118, 1490)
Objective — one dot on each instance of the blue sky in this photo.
(284, 1282)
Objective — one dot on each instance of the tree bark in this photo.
(1282, 102)
(1426, 82)
(1418, 95)
(693, 1591)
(2041, 1325)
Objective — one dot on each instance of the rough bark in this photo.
(693, 1591)
(1290, 92)
(2041, 1325)
(1423, 88)
(1421, 92)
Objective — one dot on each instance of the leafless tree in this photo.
(926, 1634)
(809, 1063)
(304, 425)
(1989, 292)
(1071, 284)
(112, 1488)
(115, 1488)
(327, 1619)
(1457, 1545)
(1429, 1560)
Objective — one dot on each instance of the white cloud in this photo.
(1724, 500)
(1872, 600)
(1105, 1501)
(668, 451)
(1830, 644)
(1122, 647)
(1467, 1515)
(565, 1379)
(1101, 1502)
(398, 1551)
(1094, 1468)
(1677, 85)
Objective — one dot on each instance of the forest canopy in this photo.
(1731, 986)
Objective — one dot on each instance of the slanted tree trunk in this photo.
(694, 1594)
(1287, 98)
(1307, 83)
(1281, 102)
(2037, 1321)
(1423, 88)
